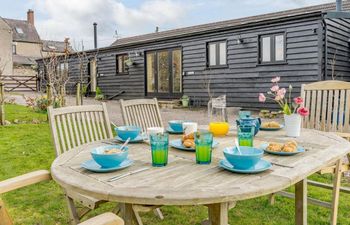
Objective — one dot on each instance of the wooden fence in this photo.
(19, 83)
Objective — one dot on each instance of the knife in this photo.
(127, 174)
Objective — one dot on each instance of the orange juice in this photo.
(219, 128)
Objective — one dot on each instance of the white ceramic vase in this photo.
(292, 125)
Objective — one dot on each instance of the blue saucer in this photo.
(177, 143)
(171, 131)
(94, 167)
(271, 128)
(264, 146)
(138, 139)
(261, 166)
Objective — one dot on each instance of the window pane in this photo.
(163, 71)
(279, 47)
(212, 54)
(266, 49)
(150, 72)
(177, 71)
(222, 49)
(125, 68)
(120, 64)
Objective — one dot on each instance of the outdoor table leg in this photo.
(218, 213)
(301, 202)
(127, 213)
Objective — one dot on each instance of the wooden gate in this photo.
(19, 83)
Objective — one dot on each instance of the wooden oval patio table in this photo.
(183, 182)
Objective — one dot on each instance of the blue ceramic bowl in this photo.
(176, 125)
(126, 132)
(109, 160)
(250, 156)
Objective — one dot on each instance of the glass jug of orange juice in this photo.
(218, 124)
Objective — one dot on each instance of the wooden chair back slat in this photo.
(329, 105)
(141, 112)
(77, 125)
(347, 111)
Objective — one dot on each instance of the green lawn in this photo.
(26, 147)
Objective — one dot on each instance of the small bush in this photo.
(42, 103)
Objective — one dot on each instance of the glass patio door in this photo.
(164, 73)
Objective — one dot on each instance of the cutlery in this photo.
(127, 174)
(113, 124)
(125, 143)
(237, 145)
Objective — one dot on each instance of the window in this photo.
(19, 30)
(121, 67)
(62, 69)
(14, 49)
(272, 48)
(217, 52)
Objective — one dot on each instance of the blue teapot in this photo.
(250, 121)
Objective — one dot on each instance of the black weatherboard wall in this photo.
(242, 79)
(311, 41)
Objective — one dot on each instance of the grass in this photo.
(27, 147)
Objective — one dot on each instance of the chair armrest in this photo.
(104, 219)
(24, 180)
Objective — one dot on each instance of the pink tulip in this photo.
(276, 79)
(278, 98)
(262, 97)
(281, 92)
(274, 88)
(298, 100)
(303, 111)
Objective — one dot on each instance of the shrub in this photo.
(42, 103)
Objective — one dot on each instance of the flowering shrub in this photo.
(288, 106)
(30, 101)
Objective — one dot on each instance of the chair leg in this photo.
(73, 214)
(5, 218)
(336, 190)
(158, 213)
(137, 216)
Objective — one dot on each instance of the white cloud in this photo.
(74, 18)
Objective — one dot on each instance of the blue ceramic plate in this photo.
(177, 143)
(272, 129)
(94, 167)
(261, 166)
(138, 139)
(171, 131)
(299, 150)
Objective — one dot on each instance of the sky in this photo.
(57, 19)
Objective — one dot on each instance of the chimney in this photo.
(338, 5)
(30, 16)
(95, 35)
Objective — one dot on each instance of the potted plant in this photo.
(185, 100)
(293, 110)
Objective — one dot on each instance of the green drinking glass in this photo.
(246, 135)
(159, 149)
(204, 142)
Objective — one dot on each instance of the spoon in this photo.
(125, 143)
(237, 145)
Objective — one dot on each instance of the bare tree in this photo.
(57, 77)
(84, 60)
(333, 62)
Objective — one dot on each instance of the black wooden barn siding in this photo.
(338, 36)
(243, 79)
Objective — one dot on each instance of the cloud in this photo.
(74, 18)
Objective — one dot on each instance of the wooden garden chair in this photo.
(329, 106)
(36, 177)
(141, 112)
(74, 126)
